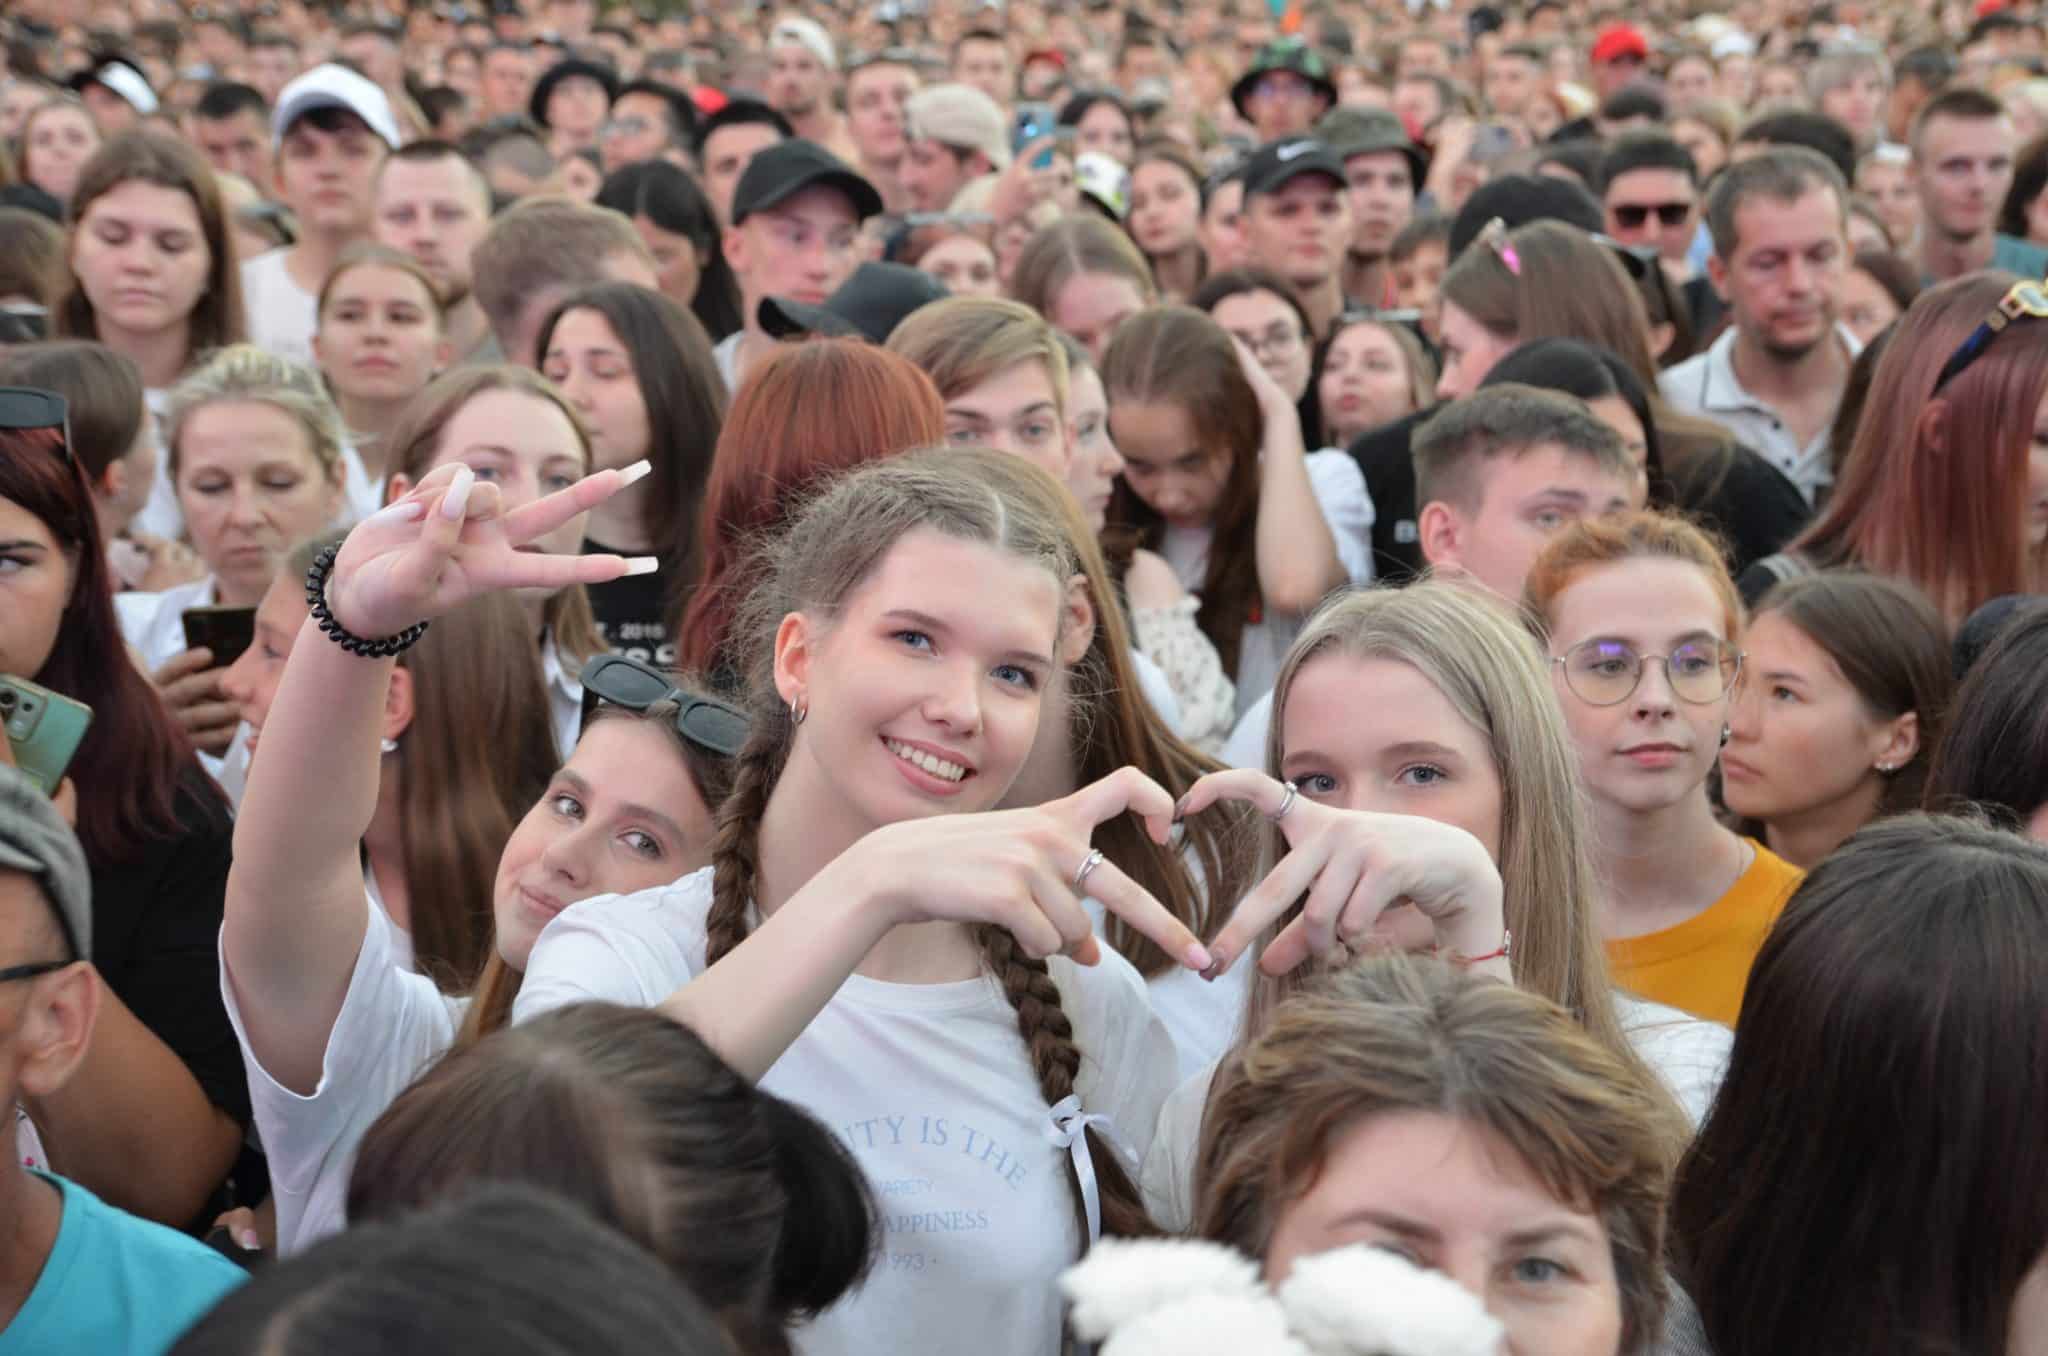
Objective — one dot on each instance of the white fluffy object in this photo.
(1120, 1281)
(1208, 1325)
(1365, 1301)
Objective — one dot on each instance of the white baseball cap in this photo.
(805, 33)
(332, 86)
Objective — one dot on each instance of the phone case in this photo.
(43, 728)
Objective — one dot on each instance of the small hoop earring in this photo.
(799, 711)
(388, 745)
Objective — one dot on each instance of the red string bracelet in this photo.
(1507, 941)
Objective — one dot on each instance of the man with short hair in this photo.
(803, 80)
(1620, 54)
(956, 135)
(796, 215)
(878, 93)
(1775, 377)
(539, 251)
(1652, 195)
(1920, 75)
(272, 63)
(1382, 171)
(981, 58)
(1298, 223)
(1418, 258)
(231, 127)
(374, 49)
(727, 142)
(1514, 77)
(648, 121)
(75, 1274)
(433, 204)
(332, 129)
(1963, 166)
(1501, 472)
(507, 80)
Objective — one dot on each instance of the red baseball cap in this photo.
(1620, 40)
(1052, 54)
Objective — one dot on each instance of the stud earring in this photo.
(388, 745)
(1887, 768)
(1726, 734)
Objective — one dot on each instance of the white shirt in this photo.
(931, 1088)
(1706, 385)
(1203, 1017)
(153, 624)
(1246, 746)
(392, 1025)
(1688, 1054)
(1153, 686)
(565, 696)
(282, 316)
(1339, 488)
(725, 355)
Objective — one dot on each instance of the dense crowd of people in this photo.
(1154, 676)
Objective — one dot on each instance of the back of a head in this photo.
(749, 1201)
(1517, 200)
(1994, 753)
(507, 1269)
(1559, 282)
(666, 195)
(542, 244)
(1799, 127)
(101, 388)
(32, 262)
(1390, 1035)
(1882, 1107)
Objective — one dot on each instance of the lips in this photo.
(933, 770)
(540, 903)
(1735, 770)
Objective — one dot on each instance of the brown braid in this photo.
(1049, 1037)
(736, 842)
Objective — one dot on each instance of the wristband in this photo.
(1505, 952)
(316, 603)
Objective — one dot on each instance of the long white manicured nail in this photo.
(642, 564)
(411, 511)
(638, 470)
(456, 503)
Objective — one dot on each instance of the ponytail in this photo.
(831, 1240)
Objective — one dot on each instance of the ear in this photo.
(319, 358)
(444, 353)
(1930, 426)
(1896, 742)
(1661, 335)
(1717, 274)
(1440, 534)
(113, 480)
(796, 642)
(397, 486)
(733, 241)
(1077, 622)
(398, 703)
(56, 1028)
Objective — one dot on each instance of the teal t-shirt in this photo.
(2019, 256)
(116, 1285)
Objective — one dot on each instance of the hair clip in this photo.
(1495, 235)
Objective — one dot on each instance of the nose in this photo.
(954, 702)
(567, 855)
(1653, 695)
(244, 508)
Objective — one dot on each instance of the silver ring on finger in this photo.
(1286, 802)
(1093, 860)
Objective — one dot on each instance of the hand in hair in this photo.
(1272, 400)
(1355, 866)
(449, 540)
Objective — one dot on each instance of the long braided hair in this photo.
(833, 544)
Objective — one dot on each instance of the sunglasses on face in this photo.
(1631, 216)
(704, 721)
(26, 407)
(2026, 301)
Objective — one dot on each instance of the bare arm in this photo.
(133, 1125)
(1297, 556)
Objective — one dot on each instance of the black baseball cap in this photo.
(1277, 163)
(780, 172)
(869, 305)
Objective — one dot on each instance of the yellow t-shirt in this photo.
(1702, 965)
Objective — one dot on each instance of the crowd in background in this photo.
(1160, 676)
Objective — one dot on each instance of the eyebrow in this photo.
(1556, 493)
(628, 809)
(924, 621)
(1685, 639)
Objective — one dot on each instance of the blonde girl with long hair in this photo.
(879, 943)
(1432, 701)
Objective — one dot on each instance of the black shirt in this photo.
(1744, 498)
(1383, 455)
(633, 613)
(156, 939)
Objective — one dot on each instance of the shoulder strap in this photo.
(1783, 565)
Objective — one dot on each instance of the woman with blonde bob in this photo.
(1432, 701)
(1472, 1127)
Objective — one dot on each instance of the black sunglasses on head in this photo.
(27, 407)
(704, 721)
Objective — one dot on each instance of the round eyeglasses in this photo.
(1607, 672)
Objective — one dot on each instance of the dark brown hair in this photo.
(1873, 1175)
(143, 155)
(1994, 754)
(745, 1197)
(101, 388)
(1179, 355)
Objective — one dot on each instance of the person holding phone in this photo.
(154, 1117)
(254, 449)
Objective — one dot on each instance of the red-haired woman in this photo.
(1946, 484)
(810, 411)
(154, 1118)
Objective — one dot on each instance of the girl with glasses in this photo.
(1643, 628)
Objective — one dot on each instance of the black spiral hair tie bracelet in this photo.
(316, 602)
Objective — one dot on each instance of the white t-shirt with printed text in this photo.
(931, 1088)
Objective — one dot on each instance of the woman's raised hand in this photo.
(1022, 870)
(450, 539)
(1354, 866)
